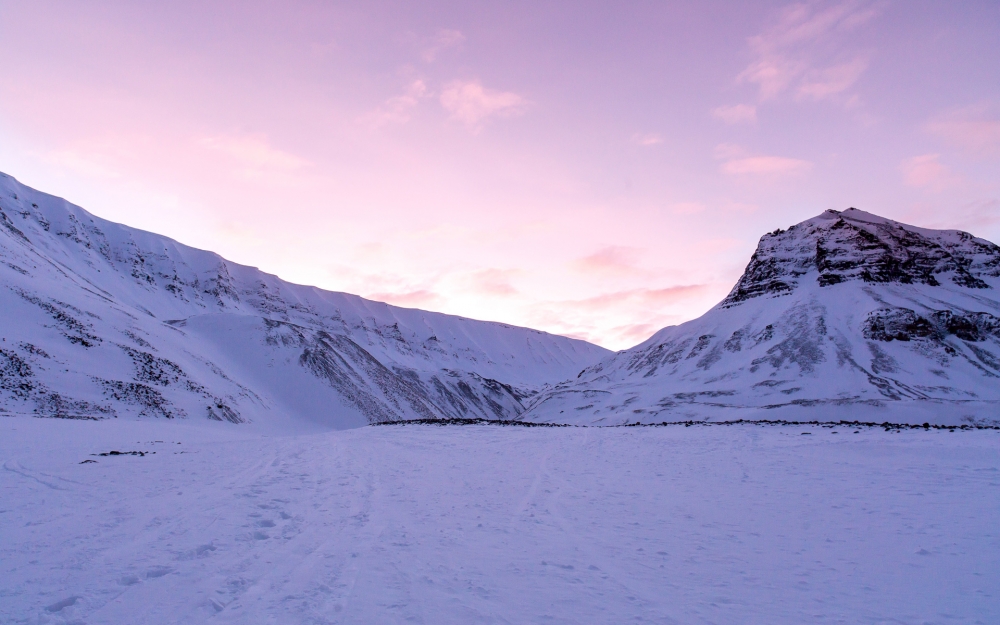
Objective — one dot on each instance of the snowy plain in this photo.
(489, 524)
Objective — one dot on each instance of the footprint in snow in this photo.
(204, 550)
(158, 571)
(59, 605)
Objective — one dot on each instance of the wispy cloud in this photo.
(736, 114)
(254, 152)
(766, 165)
(927, 172)
(819, 84)
(786, 52)
(643, 297)
(609, 311)
(975, 129)
(613, 259)
(397, 109)
(410, 299)
(441, 41)
(647, 139)
(497, 282)
(471, 103)
(635, 333)
(736, 161)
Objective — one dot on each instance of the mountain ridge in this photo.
(841, 313)
(184, 331)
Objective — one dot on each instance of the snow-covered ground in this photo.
(478, 524)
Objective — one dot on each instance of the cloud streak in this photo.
(927, 172)
(254, 152)
(443, 40)
(408, 299)
(609, 260)
(647, 139)
(471, 103)
(736, 162)
(397, 109)
(765, 165)
(824, 83)
(736, 114)
(975, 129)
(496, 282)
(785, 52)
(642, 297)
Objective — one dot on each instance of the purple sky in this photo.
(593, 169)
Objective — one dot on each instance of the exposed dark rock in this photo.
(903, 324)
(74, 330)
(16, 376)
(847, 246)
(150, 400)
(51, 404)
(221, 412)
(152, 369)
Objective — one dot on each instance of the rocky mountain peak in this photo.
(842, 246)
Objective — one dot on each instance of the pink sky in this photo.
(593, 169)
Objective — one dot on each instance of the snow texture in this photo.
(102, 321)
(845, 316)
(488, 524)
(269, 504)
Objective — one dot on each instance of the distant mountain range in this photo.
(844, 316)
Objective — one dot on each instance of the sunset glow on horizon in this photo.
(596, 170)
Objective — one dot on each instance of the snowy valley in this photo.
(181, 442)
(846, 316)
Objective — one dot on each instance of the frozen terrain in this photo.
(101, 321)
(211, 461)
(844, 316)
(486, 524)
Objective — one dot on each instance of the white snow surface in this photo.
(487, 524)
(846, 316)
(101, 320)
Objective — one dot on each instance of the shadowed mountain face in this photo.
(102, 320)
(846, 315)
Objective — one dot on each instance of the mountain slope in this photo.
(102, 320)
(844, 316)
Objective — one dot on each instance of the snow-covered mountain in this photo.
(101, 320)
(844, 316)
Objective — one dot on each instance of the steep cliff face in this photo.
(854, 245)
(102, 320)
(846, 313)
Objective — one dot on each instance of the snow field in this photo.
(478, 524)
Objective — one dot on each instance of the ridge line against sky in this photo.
(585, 169)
